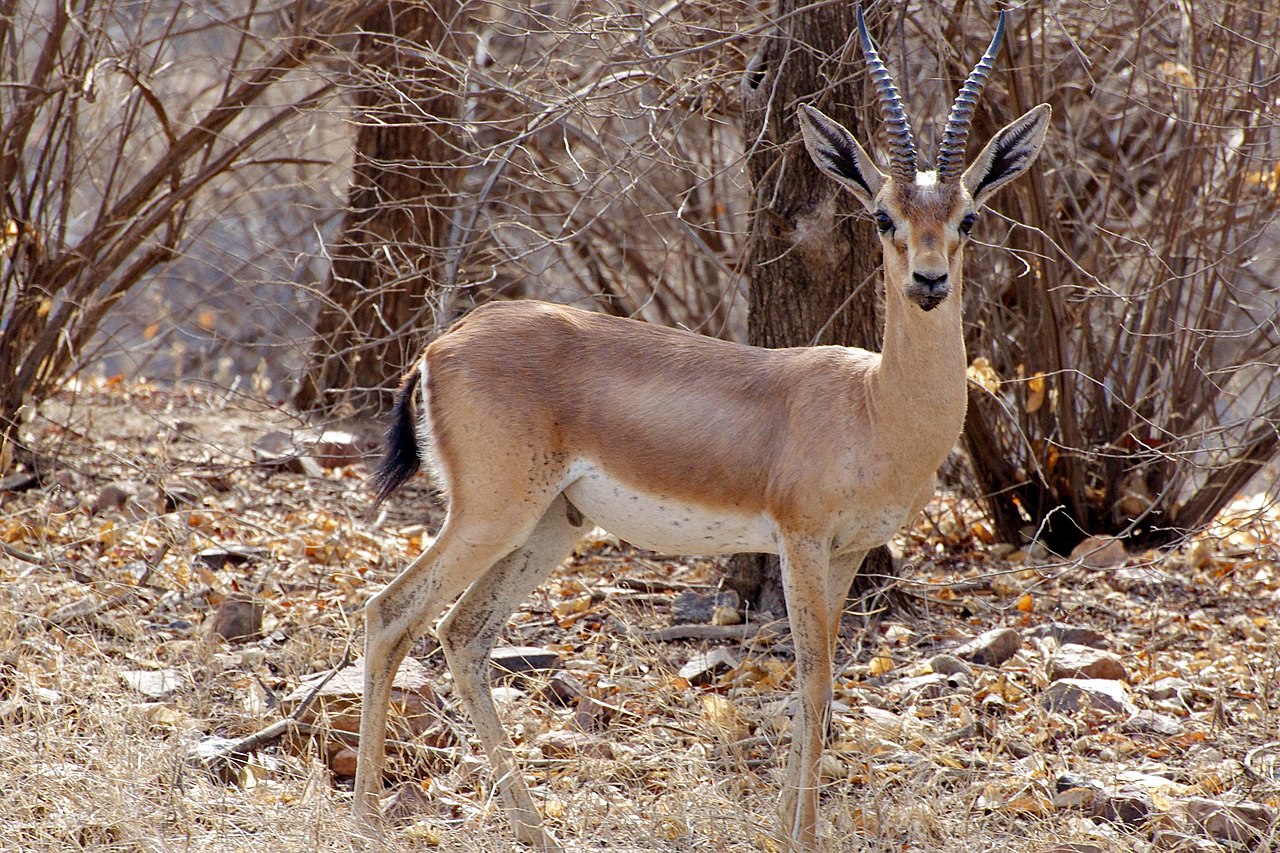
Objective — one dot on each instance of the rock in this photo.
(1069, 695)
(506, 694)
(1067, 781)
(991, 648)
(523, 661)
(591, 716)
(237, 618)
(571, 744)
(1072, 634)
(1099, 552)
(727, 616)
(1127, 806)
(415, 710)
(342, 762)
(929, 686)
(277, 450)
(1242, 823)
(1168, 688)
(950, 665)
(19, 482)
(336, 449)
(231, 555)
(1169, 841)
(1072, 661)
(178, 494)
(140, 498)
(704, 667)
(699, 608)
(153, 683)
(1153, 723)
(563, 689)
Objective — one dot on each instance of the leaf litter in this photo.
(1013, 698)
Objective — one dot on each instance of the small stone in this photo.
(1072, 661)
(949, 665)
(1238, 823)
(1170, 841)
(236, 619)
(1167, 688)
(153, 683)
(342, 762)
(178, 494)
(704, 667)
(727, 616)
(523, 660)
(991, 648)
(336, 449)
(699, 608)
(277, 450)
(571, 744)
(1069, 695)
(930, 686)
(415, 709)
(1151, 722)
(19, 482)
(1099, 552)
(563, 689)
(591, 716)
(1127, 806)
(505, 694)
(231, 555)
(1073, 635)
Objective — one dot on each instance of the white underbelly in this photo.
(664, 524)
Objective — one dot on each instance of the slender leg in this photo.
(844, 568)
(805, 583)
(467, 635)
(400, 613)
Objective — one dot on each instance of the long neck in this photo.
(920, 384)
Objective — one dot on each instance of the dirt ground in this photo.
(1131, 701)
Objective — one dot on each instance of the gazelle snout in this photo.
(928, 289)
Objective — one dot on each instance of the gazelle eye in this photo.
(883, 222)
(966, 224)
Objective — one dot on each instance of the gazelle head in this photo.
(924, 218)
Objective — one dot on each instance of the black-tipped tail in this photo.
(402, 459)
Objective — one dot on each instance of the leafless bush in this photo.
(579, 152)
(122, 147)
(1127, 337)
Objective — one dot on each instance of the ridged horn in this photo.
(951, 149)
(902, 146)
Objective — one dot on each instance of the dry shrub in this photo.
(126, 147)
(1129, 321)
(602, 159)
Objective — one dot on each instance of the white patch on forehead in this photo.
(926, 179)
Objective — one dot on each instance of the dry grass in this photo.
(92, 764)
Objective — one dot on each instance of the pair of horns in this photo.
(902, 146)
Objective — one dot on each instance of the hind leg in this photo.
(467, 635)
(404, 610)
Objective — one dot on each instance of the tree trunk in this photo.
(384, 271)
(813, 267)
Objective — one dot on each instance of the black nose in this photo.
(932, 282)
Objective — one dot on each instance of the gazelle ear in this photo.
(1009, 153)
(839, 155)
